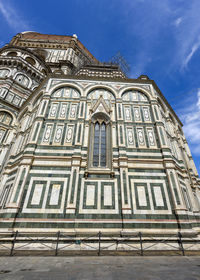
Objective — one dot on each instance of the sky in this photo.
(158, 38)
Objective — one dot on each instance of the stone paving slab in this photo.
(103, 267)
(73, 253)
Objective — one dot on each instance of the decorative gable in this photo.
(101, 106)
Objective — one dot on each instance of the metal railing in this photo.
(61, 243)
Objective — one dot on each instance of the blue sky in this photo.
(158, 38)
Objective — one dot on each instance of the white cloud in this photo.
(195, 47)
(191, 120)
(178, 21)
(187, 35)
(145, 22)
(12, 17)
(198, 102)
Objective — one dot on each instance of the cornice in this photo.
(36, 40)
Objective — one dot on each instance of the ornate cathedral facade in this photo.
(84, 149)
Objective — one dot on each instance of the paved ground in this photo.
(103, 267)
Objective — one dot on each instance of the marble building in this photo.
(83, 148)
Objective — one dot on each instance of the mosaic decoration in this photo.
(58, 134)
(127, 113)
(73, 110)
(69, 134)
(53, 110)
(140, 133)
(130, 136)
(63, 110)
(146, 114)
(150, 136)
(47, 133)
(137, 115)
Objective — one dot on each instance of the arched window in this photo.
(12, 54)
(5, 122)
(30, 60)
(5, 118)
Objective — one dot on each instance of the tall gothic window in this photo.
(99, 154)
(99, 147)
(99, 157)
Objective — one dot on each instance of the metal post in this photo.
(141, 248)
(58, 236)
(117, 243)
(181, 243)
(13, 243)
(99, 252)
